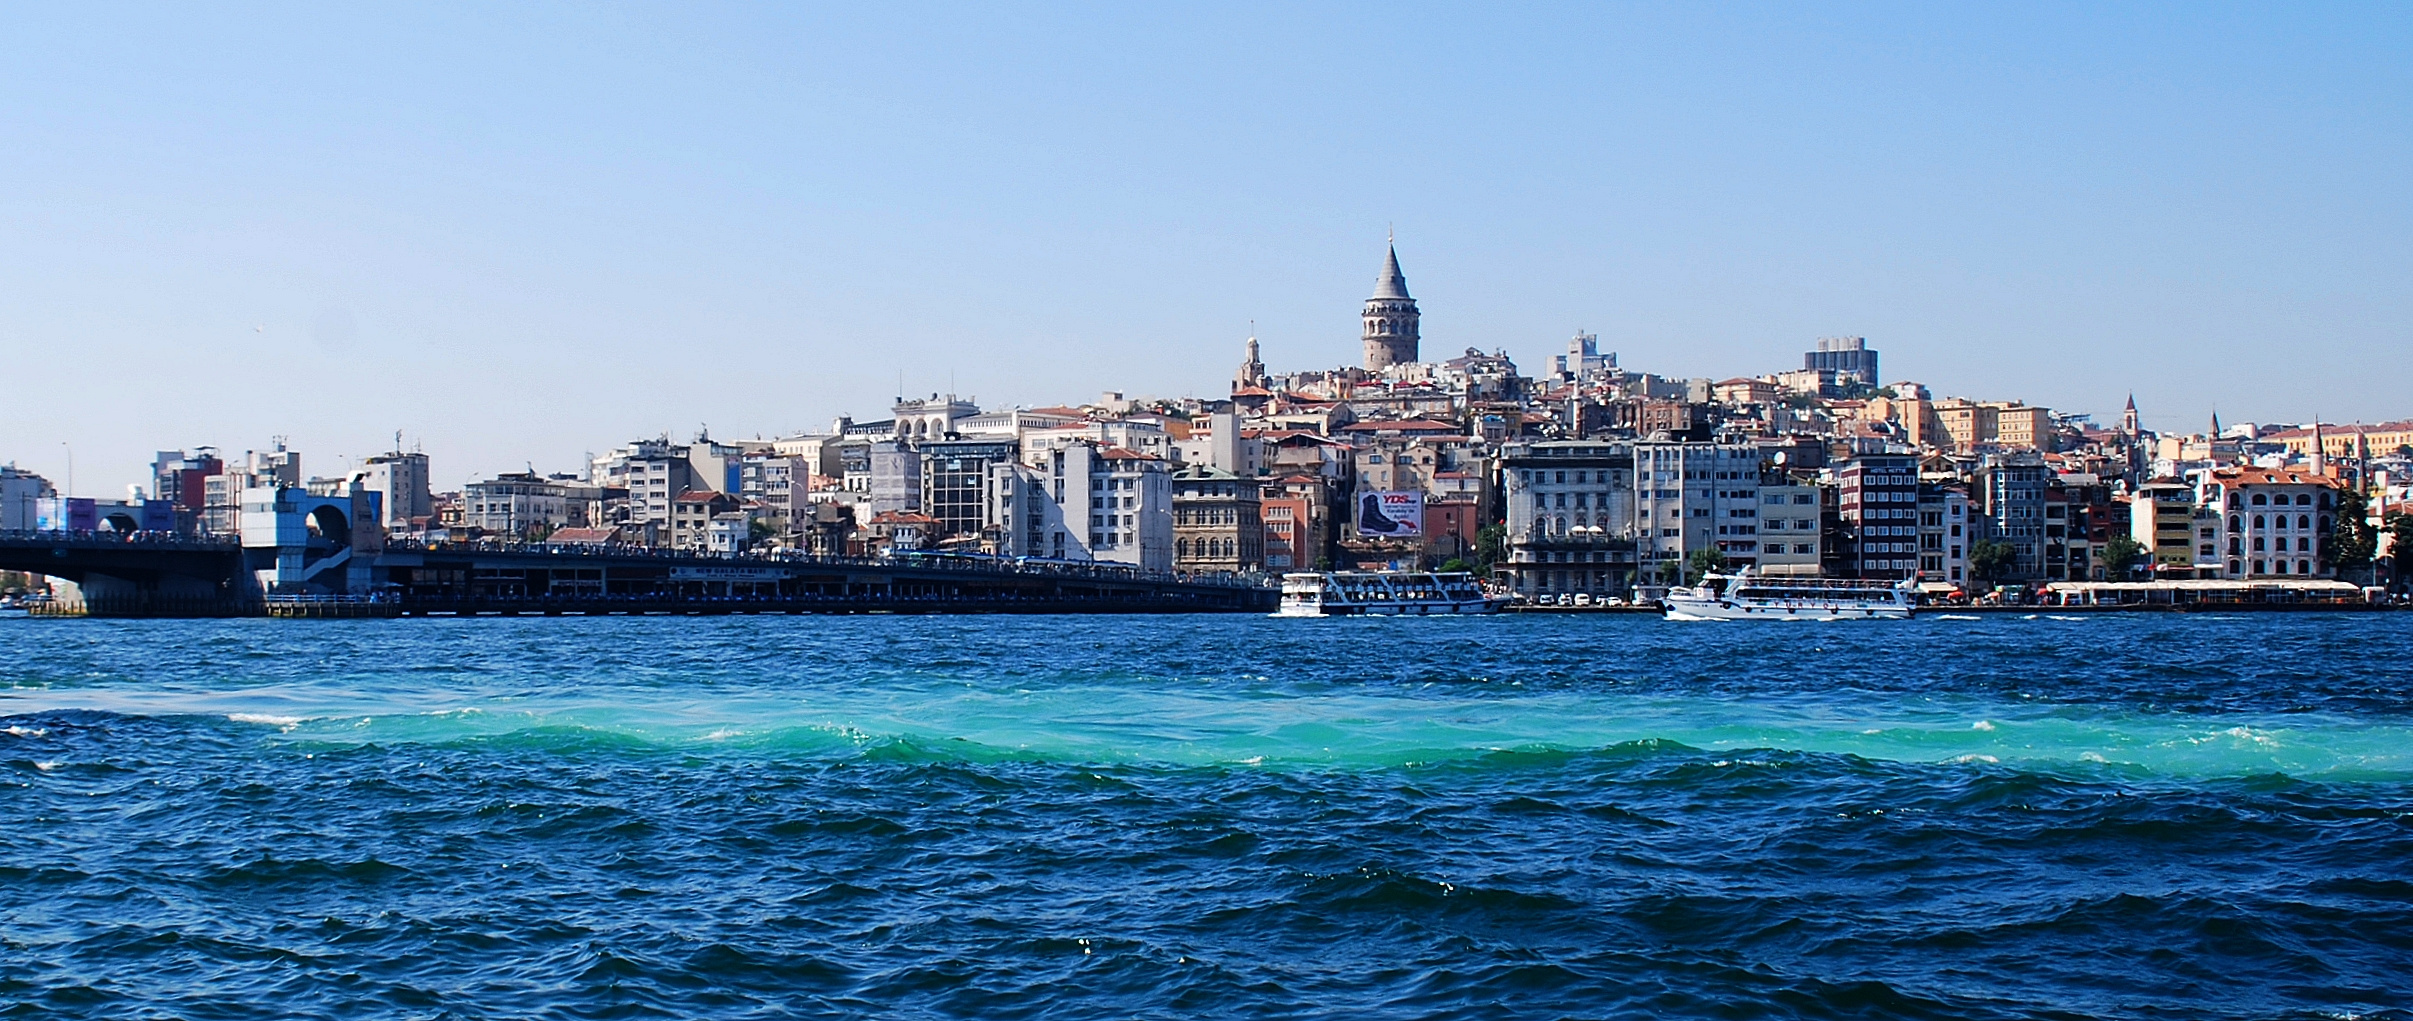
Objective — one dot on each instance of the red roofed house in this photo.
(691, 517)
(900, 530)
(2267, 522)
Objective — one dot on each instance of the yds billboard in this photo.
(1393, 514)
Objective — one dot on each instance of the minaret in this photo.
(1391, 318)
(2320, 456)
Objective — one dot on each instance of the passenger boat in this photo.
(1748, 595)
(1384, 594)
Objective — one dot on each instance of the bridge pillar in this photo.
(295, 543)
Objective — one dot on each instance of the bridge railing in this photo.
(929, 561)
(112, 539)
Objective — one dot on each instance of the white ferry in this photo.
(1752, 596)
(1384, 594)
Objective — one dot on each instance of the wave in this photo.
(1254, 730)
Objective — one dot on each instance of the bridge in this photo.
(110, 573)
(155, 575)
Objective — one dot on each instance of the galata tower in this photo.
(1390, 318)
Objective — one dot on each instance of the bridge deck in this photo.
(161, 575)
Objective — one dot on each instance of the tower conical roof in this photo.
(1392, 283)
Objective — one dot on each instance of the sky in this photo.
(517, 234)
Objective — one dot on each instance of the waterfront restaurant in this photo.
(2205, 593)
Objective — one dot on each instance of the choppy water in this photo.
(1173, 817)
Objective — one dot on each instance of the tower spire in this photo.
(1391, 283)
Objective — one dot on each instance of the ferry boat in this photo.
(1384, 594)
(1748, 595)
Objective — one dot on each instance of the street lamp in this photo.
(70, 468)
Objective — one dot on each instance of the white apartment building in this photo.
(2270, 522)
(654, 472)
(1944, 535)
(1085, 501)
(1692, 496)
(517, 504)
(1138, 435)
(1788, 526)
(818, 452)
(401, 484)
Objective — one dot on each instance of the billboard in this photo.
(1394, 515)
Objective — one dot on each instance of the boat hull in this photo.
(1682, 608)
(1459, 608)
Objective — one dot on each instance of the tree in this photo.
(1702, 561)
(2119, 556)
(2354, 541)
(1991, 560)
(1491, 546)
(2400, 545)
(1454, 565)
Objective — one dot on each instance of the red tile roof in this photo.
(1402, 425)
(2249, 476)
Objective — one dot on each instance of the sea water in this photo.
(1115, 817)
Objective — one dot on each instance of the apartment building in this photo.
(1218, 523)
(1788, 523)
(1570, 517)
(1689, 496)
(2161, 517)
(955, 480)
(2013, 503)
(1083, 501)
(518, 504)
(2271, 522)
(1944, 535)
(1877, 500)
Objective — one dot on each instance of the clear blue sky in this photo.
(519, 233)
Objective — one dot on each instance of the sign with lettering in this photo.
(1390, 514)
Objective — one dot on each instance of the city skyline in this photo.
(582, 228)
